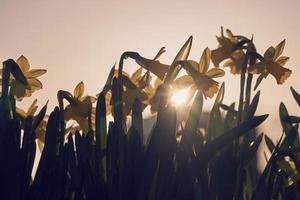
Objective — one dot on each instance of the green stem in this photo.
(248, 90)
(242, 89)
(5, 80)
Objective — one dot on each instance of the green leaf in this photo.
(195, 113)
(128, 83)
(253, 105)
(252, 150)
(216, 122)
(296, 95)
(269, 143)
(226, 138)
(229, 108)
(292, 136)
(230, 118)
(16, 71)
(292, 119)
(258, 80)
(220, 96)
(101, 131)
(39, 118)
(283, 113)
(137, 117)
(108, 83)
(181, 55)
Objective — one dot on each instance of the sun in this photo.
(179, 97)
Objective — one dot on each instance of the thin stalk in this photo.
(239, 120)
(5, 80)
(248, 91)
(242, 90)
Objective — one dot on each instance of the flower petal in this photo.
(280, 73)
(269, 54)
(36, 73)
(183, 82)
(282, 60)
(211, 91)
(21, 112)
(234, 69)
(35, 84)
(257, 68)
(23, 63)
(136, 76)
(279, 49)
(218, 55)
(215, 72)
(158, 69)
(18, 90)
(204, 60)
(206, 84)
(78, 91)
(161, 51)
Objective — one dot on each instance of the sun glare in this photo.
(180, 97)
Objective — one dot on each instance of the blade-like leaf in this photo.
(283, 113)
(269, 143)
(220, 142)
(253, 106)
(252, 150)
(39, 118)
(296, 95)
(181, 55)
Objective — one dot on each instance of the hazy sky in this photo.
(81, 39)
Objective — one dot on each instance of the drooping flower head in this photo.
(80, 107)
(229, 52)
(20, 90)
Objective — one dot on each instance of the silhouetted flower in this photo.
(272, 63)
(80, 107)
(228, 51)
(20, 90)
(200, 76)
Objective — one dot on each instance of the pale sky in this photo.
(79, 40)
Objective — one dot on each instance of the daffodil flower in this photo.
(228, 50)
(20, 90)
(272, 63)
(80, 107)
(200, 76)
(134, 87)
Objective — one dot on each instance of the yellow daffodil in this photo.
(227, 51)
(200, 76)
(79, 108)
(17, 88)
(134, 87)
(272, 63)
